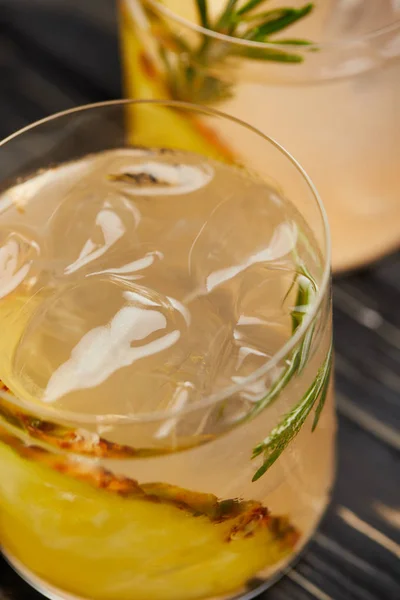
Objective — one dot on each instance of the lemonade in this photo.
(146, 452)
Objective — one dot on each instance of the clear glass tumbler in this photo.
(322, 78)
(166, 413)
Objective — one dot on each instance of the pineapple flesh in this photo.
(98, 536)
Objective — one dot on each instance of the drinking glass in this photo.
(166, 412)
(321, 78)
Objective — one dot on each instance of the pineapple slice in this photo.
(160, 126)
(104, 537)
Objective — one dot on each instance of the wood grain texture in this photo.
(55, 54)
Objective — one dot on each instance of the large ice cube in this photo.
(241, 231)
(88, 228)
(97, 340)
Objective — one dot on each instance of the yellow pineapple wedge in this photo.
(160, 126)
(105, 537)
(99, 536)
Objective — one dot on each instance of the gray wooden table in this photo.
(55, 54)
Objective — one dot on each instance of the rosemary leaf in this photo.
(305, 296)
(322, 398)
(307, 289)
(305, 348)
(292, 422)
(263, 469)
(268, 54)
(266, 16)
(249, 6)
(227, 20)
(203, 13)
(280, 439)
(277, 20)
(291, 42)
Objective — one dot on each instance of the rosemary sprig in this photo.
(190, 72)
(279, 438)
(306, 291)
(244, 23)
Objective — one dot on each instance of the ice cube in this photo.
(240, 232)
(98, 341)
(89, 228)
(18, 253)
(158, 178)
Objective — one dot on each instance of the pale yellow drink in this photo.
(143, 296)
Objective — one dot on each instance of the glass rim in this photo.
(333, 45)
(109, 419)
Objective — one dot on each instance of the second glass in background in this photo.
(333, 103)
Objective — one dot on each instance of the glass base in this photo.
(53, 593)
